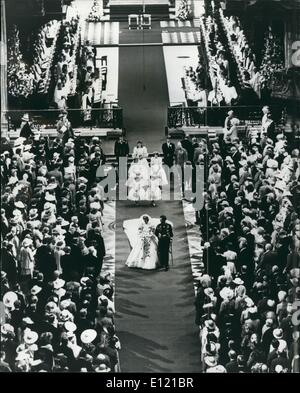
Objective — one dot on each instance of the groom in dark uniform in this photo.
(164, 233)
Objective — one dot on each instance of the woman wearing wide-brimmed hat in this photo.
(26, 258)
(26, 131)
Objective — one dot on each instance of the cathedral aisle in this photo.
(143, 94)
(155, 309)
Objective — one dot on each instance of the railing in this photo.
(192, 116)
(46, 119)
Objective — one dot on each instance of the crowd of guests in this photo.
(223, 89)
(43, 53)
(89, 82)
(66, 67)
(239, 45)
(257, 76)
(31, 77)
(248, 294)
(58, 300)
(251, 79)
(20, 79)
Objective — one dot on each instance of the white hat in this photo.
(281, 295)
(210, 361)
(51, 186)
(50, 197)
(272, 163)
(58, 283)
(70, 326)
(27, 242)
(17, 213)
(88, 336)
(102, 368)
(278, 333)
(235, 121)
(238, 281)
(249, 302)
(226, 293)
(66, 315)
(9, 299)
(65, 303)
(28, 321)
(30, 337)
(282, 346)
(35, 290)
(95, 205)
(6, 328)
(25, 117)
(209, 292)
(19, 205)
(252, 310)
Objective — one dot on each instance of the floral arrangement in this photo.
(273, 59)
(95, 15)
(184, 11)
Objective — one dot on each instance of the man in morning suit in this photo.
(168, 149)
(164, 234)
(121, 147)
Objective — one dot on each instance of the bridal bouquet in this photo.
(146, 236)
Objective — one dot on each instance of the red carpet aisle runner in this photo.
(155, 309)
(143, 94)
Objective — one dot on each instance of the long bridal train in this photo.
(142, 239)
(143, 242)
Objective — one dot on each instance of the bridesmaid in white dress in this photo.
(140, 153)
(156, 181)
(144, 244)
(137, 187)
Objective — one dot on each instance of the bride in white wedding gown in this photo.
(141, 235)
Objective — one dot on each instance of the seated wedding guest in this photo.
(66, 297)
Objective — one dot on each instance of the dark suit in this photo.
(67, 266)
(168, 152)
(245, 257)
(164, 232)
(188, 146)
(121, 149)
(236, 157)
(26, 131)
(232, 367)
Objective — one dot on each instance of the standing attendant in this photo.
(26, 131)
(64, 128)
(168, 149)
(164, 233)
(121, 148)
(188, 146)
